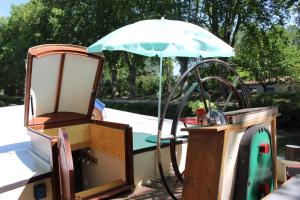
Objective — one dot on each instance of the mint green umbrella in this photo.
(163, 38)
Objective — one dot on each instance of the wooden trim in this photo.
(58, 117)
(60, 75)
(231, 127)
(109, 124)
(66, 167)
(27, 88)
(95, 86)
(274, 149)
(59, 124)
(87, 194)
(112, 193)
(55, 170)
(223, 162)
(48, 49)
(51, 52)
(129, 156)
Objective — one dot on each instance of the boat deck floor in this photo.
(153, 191)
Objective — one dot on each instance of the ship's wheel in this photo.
(215, 92)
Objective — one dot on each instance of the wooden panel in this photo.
(77, 84)
(44, 77)
(203, 166)
(98, 76)
(27, 89)
(60, 76)
(229, 163)
(55, 170)
(43, 53)
(231, 127)
(223, 161)
(66, 168)
(129, 156)
(106, 170)
(108, 140)
(78, 135)
(99, 189)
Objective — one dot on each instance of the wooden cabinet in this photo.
(88, 158)
(212, 154)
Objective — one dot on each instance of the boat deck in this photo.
(15, 146)
(288, 191)
(21, 167)
(153, 191)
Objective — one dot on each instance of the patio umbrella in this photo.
(163, 38)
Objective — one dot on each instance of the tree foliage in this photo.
(82, 22)
(267, 55)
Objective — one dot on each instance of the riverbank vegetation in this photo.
(265, 34)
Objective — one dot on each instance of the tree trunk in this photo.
(132, 81)
(183, 67)
(264, 87)
(9, 90)
(223, 73)
(215, 19)
(168, 84)
(114, 82)
(131, 76)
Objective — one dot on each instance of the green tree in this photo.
(226, 18)
(266, 55)
(26, 27)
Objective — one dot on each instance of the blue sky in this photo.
(5, 6)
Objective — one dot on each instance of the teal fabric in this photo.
(153, 139)
(145, 140)
(164, 38)
(139, 141)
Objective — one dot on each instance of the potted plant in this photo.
(198, 108)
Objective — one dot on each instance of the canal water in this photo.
(286, 136)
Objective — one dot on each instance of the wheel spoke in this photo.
(243, 103)
(234, 83)
(198, 75)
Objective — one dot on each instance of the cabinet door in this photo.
(66, 168)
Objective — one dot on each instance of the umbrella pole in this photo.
(160, 89)
(159, 107)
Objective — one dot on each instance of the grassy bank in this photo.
(289, 106)
(6, 100)
(145, 107)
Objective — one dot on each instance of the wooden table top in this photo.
(288, 191)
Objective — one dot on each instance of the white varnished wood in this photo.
(26, 192)
(77, 83)
(22, 165)
(44, 79)
(41, 145)
(232, 147)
